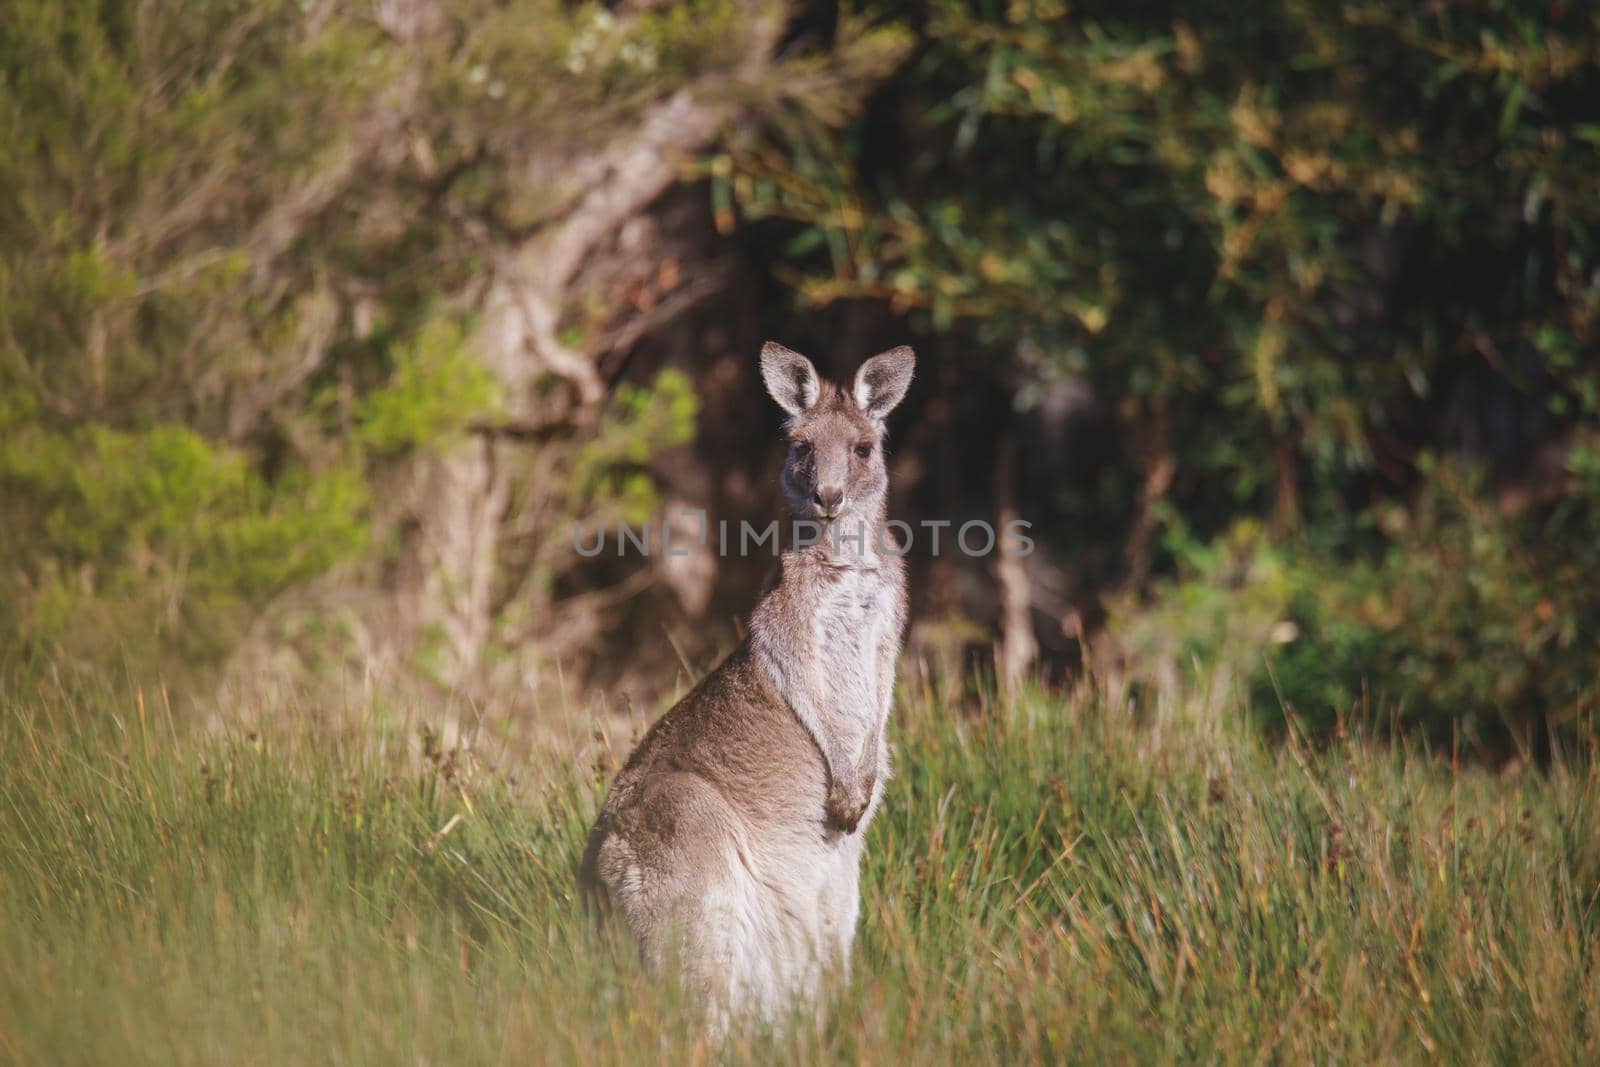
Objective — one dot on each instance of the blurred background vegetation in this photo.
(321, 323)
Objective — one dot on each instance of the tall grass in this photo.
(1048, 881)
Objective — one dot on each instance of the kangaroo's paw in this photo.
(845, 807)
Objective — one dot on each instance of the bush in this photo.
(1459, 622)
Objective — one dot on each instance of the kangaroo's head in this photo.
(835, 464)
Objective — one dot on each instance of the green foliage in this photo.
(1225, 604)
(141, 147)
(140, 538)
(608, 476)
(435, 391)
(1043, 884)
(1461, 621)
(1272, 241)
(235, 242)
(1247, 222)
(243, 245)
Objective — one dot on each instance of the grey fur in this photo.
(731, 841)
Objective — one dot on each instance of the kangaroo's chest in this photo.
(854, 613)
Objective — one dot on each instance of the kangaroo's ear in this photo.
(882, 381)
(790, 377)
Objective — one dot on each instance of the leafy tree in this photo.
(262, 262)
(1281, 244)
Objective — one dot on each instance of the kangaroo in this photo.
(732, 839)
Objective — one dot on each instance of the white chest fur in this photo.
(854, 612)
(821, 637)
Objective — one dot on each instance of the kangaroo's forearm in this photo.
(846, 765)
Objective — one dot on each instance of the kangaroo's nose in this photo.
(828, 499)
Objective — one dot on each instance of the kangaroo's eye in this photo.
(863, 450)
(802, 449)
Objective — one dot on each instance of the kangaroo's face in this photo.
(835, 463)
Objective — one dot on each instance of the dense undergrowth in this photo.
(1048, 880)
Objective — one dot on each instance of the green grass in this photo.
(1048, 881)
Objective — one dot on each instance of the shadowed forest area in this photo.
(323, 323)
